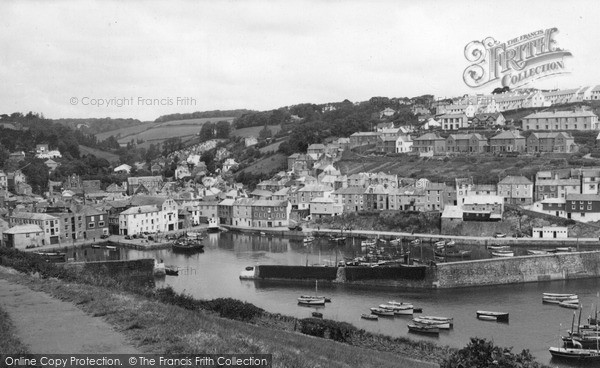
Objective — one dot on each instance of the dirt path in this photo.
(50, 326)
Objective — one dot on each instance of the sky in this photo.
(144, 59)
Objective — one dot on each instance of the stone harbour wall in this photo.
(561, 266)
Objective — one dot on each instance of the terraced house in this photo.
(269, 213)
(466, 143)
(351, 198)
(429, 144)
(561, 120)
(557, 142)
(508, 141)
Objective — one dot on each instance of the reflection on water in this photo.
(215, 272)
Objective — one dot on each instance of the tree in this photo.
(483, 353)
(264, 133)
(207, 132)
(223, 129)
(37, 175)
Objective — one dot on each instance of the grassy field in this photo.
(125, 132)
(110, 157)
(253, 131)
(199, 121)
(268, 164)
(160, 131)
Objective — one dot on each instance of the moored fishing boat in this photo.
(503, 253)
(423, 329)
(382, 312)
(185, 245)
(371, 317)
(574, 354)
(308, 239)
(498, 247)
(398, 309)
(536, 252)
(429, 322)
(450, 320)
(311, 300)
(572, 304)
(492, 316)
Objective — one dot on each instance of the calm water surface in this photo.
(214, 273)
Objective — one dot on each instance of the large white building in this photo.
(151, 218)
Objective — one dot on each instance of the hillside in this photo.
(484, 168)
(157, 132)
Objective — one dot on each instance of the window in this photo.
(91, 225)
(101, 224)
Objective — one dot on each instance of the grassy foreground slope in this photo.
(156, 327)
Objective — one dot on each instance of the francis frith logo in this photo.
(516, 62)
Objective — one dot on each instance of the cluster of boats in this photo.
(582, 344)
(562, 300)
(430, 325)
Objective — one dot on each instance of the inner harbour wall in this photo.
(496, 271)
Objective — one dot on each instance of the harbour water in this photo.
(214, 273)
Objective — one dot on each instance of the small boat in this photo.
(569, 304)
(187, 246)
(565, 249)
(95, 246)
(450, 320)
(429, 322)
(423, 329)
(308, 239)
(193, 235)
(337, 239)
(393, 302)
(450, 243)
(498, 247)
(454, 254)
(371, 317)
(416, 242)
(398, 309)
(503, 253)
(171, 270)
(558, 301)
(248, 273)
(382, 312)
(536, 252)
(111, 247)
(492, 316)
(396, 241)
(311, 300)
(575, 354)
(558, 295)
(317, 314)
(440, 243)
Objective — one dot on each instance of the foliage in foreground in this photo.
(481, 353)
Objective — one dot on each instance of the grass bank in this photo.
(9, 342)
